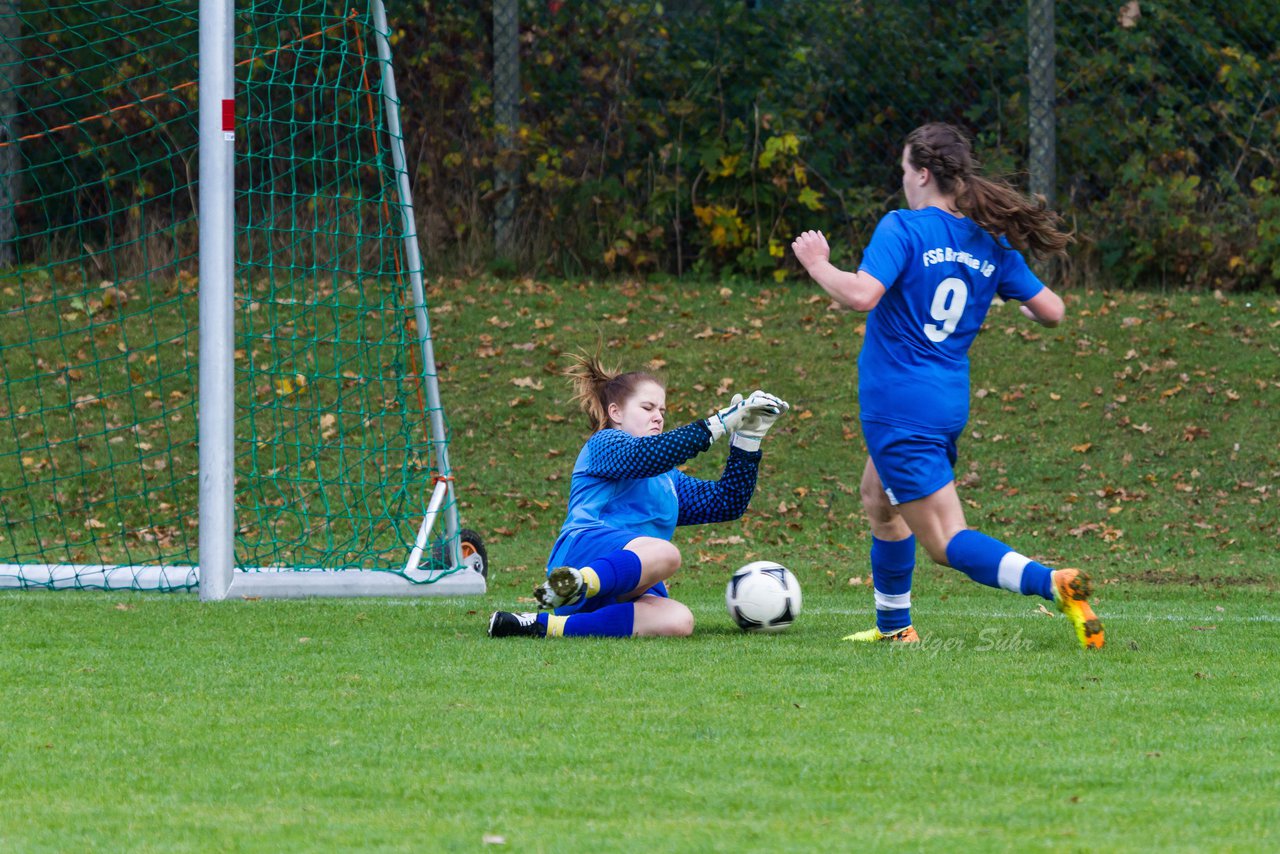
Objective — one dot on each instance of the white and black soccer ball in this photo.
(763, 596)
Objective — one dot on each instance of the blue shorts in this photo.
(585, 546)
(912, 464)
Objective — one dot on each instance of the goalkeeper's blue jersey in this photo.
(941, 273)
(630, 483)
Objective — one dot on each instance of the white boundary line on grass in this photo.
(864, 612)
(1108, 614)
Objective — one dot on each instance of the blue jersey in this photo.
(630, 483)
(941, 273)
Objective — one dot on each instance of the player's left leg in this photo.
(624, 573)
(649, 616)
(611, 621)
(938, 521)
(606, 576)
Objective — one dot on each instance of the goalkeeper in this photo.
(606, 574)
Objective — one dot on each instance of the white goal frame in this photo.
(216, 574)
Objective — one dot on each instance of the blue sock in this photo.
(615, 574)
(892, 562)
(611, 621)
(989, 561)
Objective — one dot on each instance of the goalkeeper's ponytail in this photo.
(595, 386)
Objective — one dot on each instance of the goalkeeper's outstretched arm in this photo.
(616, 454)
(726, 499)
(723, 500)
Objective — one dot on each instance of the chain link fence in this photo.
(698, 136)
(506, 100)
(642, 139)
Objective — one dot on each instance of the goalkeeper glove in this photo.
(729, 419)
(758, 420)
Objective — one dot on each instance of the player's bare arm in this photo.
(1045, 308)
(858, 291)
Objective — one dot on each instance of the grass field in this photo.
(1137, 441)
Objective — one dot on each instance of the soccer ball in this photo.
(763, 596)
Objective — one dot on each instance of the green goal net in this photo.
(341, 450)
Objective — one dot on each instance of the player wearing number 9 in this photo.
(927, 279)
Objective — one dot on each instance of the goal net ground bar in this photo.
(245, 583)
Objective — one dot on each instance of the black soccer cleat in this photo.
(504, 624)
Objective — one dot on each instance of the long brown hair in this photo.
(1025, 221)
(595, 387)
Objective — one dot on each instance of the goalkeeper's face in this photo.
(643, 413)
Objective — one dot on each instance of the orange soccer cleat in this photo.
(1071, 589)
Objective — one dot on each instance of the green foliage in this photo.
(1163, 126)
(110, 133)
(693, 136)
(702, 135)
(1266, 254)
